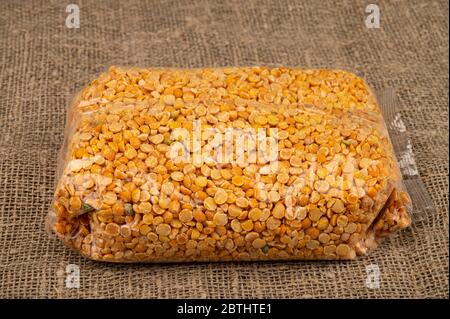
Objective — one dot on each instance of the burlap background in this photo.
(43, 63)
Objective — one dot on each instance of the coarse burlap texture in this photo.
(43, 63)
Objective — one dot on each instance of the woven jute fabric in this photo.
(43, 63)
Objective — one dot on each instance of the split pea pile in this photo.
(335, 192)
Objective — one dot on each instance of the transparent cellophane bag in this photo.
(333, 191)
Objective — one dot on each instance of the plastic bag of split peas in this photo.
(220, 164)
